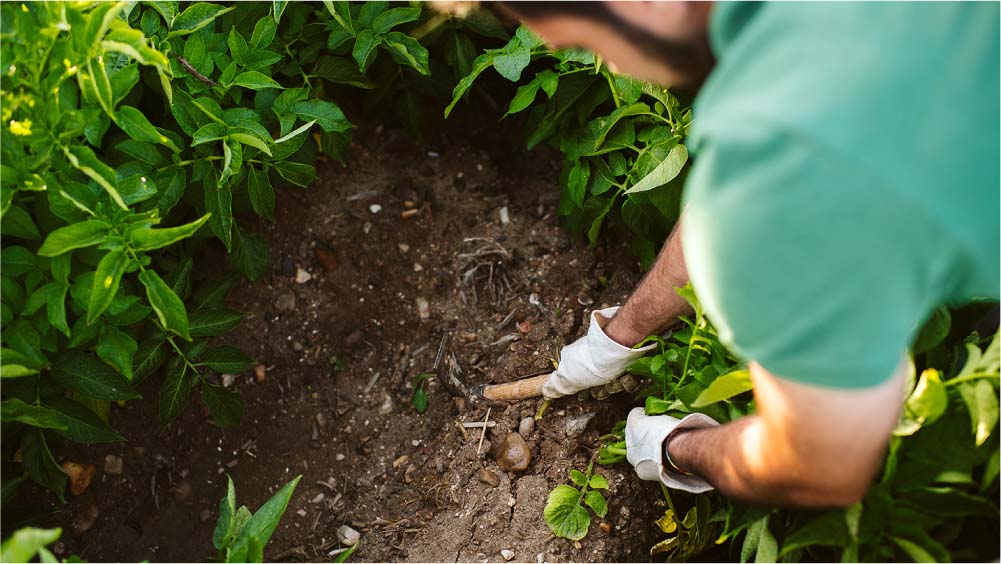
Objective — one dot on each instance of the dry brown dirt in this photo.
(335, 405)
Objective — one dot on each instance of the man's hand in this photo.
(808, 446)
(592, 360)
(645, 437)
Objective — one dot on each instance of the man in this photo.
(845, 183)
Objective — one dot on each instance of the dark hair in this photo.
(690, 58)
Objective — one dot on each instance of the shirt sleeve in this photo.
(809, 266)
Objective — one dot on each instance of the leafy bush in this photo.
(940, 473)
(621, 138)
(133, 134)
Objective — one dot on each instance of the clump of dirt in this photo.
(448, 260)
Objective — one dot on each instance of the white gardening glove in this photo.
(645, 436)
(592, 360)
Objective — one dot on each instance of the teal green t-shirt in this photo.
(845, 181)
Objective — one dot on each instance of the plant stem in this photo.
(970, 377)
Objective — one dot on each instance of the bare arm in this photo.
(807, 446)
(654, 305)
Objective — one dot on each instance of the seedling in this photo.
(240, 536)
(564, 512)
(420, 398)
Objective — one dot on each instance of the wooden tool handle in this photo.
(520, 389)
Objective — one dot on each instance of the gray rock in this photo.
(527, 426)
(302, 276)
(347, 536)
(285, 301)
(507, 554)
(387, 405)
(575, 424)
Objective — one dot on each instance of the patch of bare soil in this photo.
(439, 259)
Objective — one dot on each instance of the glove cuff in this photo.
(598, 340)
(689, 482)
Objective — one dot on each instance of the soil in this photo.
(434, 268)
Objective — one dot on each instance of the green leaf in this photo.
(250, 140)
(665, 171)
(509, 64)
(829, 529)
(169, 308)
(250, 253)
(278, 8)
(147, 239)
(255, 81)
(596, 502)
(219, 204)
(577, 182)
(578, 478)
(174, 391)
(238, 48)
(17, 223)
(84, 160)
(82, 424)
(107, 278)
(341, 70)
(208, 133)
(407, 50)
(148, 358)
(262, 195)
(13, 409)
(264, 33)
(82, 373)
(480, 64)
(564, 514)
(136, 126)
(225, 359)
(598, 482)
(926, 403)
(195, 17)
(768, 547)
(916, 552)
(25, 543)
(225, 406)
(214, 322)
(394, 17)
(41, 466)
(16, 371)
(364, 49)
(222, 536)
(15, 260)
(725, 387)
(117, 349)
(75, 236)
(296, 173)
(326, 114)
(982, 404)
(262, 525)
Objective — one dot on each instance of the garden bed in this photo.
(341, 351)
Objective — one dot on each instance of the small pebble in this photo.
(86, 519)
(375, 208)
(227, 380)
(505, 217)
(321, 420)
(527, 426)
(423, 309)
(575, 424)
(326, 258)
(260, 373)
(347, 536)
(514, 454)
(301, 513)
(387, 405)
(339, 456)
(204, 515)
(318, 498)
(301, 276)
(488, 478)
(400, 462)
(113, 465)
(507, 554)
(288, 267)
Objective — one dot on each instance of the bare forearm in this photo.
(654, 305)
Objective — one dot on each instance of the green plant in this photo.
(29, 543)
(420, 398)
(621, 138)
(565, 513)
(939, 478)
(240, 536)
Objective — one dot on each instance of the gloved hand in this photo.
(592, 360)
(645, 442)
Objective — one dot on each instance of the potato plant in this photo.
(940, 476)
(621, 139)
(134, 134)
(565, 511)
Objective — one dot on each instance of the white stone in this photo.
(375, 208)
(301, 276)
(508, 554)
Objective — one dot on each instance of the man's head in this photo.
(663, 42)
